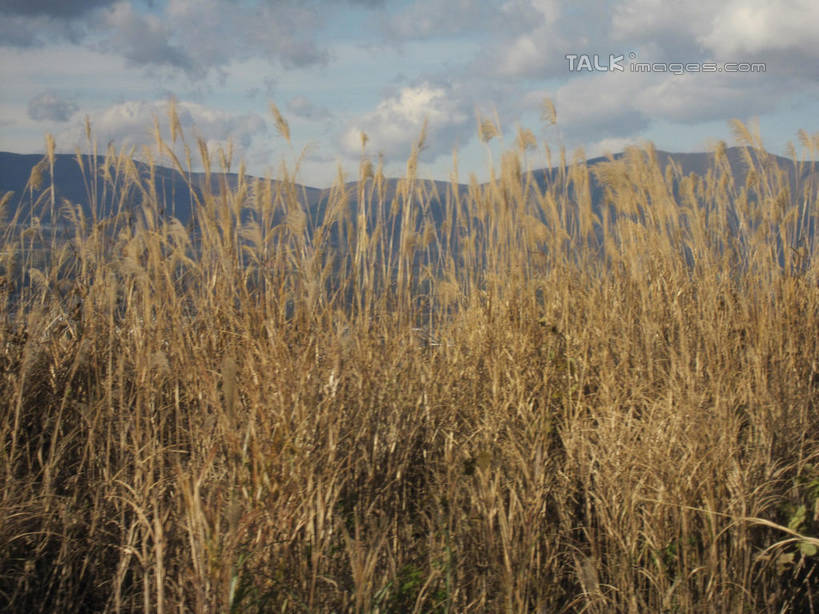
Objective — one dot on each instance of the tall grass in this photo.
(521, 405)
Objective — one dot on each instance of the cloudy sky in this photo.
(337, 68)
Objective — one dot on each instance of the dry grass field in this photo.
(523, 407)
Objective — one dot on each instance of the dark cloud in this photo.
(199, 37)
(426, 19)
(38, 30)
(61, 9)
(493, 54)
(300, 106)
(17, 32)
(144, 39)
(296, 53)
(51, 107)
(204, 35)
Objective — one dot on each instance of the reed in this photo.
(524, 404)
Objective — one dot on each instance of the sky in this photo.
(618, 72)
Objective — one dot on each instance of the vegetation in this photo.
(525, 406)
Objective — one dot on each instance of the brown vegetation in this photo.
(524, 408)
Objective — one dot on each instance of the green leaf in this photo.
(808, 549)
(798, 518)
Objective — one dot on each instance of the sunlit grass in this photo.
(525, 404)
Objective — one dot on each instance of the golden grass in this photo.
(524, 406)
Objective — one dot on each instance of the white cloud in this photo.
(671, 24)
(735, 31)
(522, 56)
(537, 45)
(613, 103)
(131, 124)
(593, 107)
(51, 106)
(605, 147)
(327, 64)
(397, 121)
(756, 28)
(692, 98)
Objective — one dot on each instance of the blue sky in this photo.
(384, 67)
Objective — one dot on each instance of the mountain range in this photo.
(73, 185)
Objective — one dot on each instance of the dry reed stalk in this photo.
(608, 410)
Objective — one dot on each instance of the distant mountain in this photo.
(174, 193)
(700, 164)
(74, 185)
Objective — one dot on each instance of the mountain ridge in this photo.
(172, 187)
